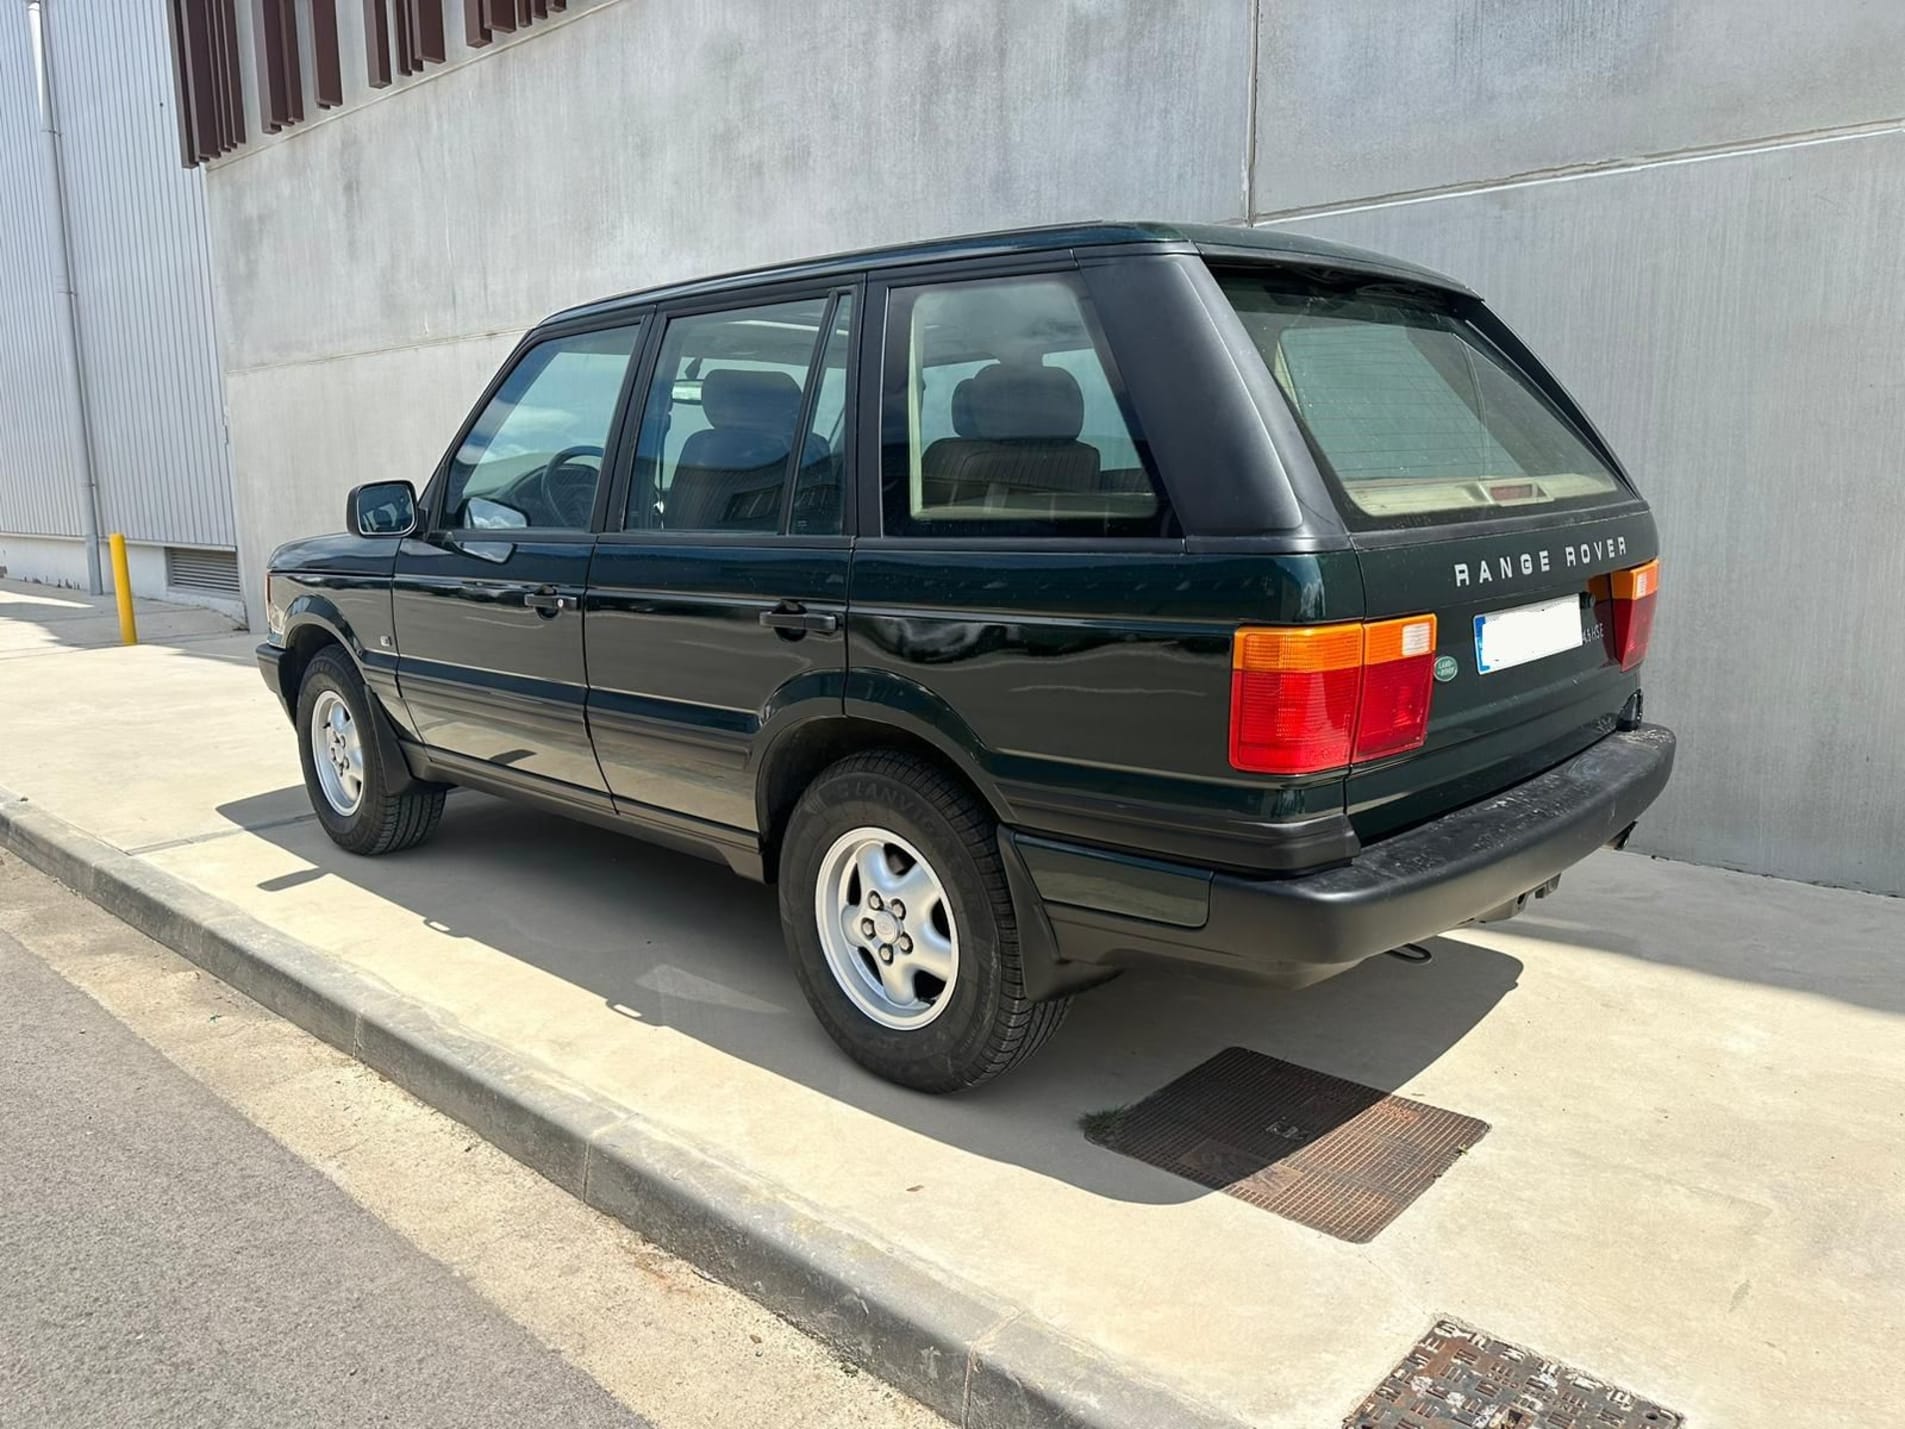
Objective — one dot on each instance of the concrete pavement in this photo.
(1693, 1183)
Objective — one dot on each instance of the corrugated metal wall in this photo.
(40, 467)
(141, 270)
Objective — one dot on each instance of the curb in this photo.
(981, 1363)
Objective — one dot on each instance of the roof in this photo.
(1211, 239)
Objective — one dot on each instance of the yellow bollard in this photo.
(122, 588)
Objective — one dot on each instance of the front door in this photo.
(722, 600)
(488, 602)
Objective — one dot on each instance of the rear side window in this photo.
(722, 431)
(1410, 409)
(1002, 416)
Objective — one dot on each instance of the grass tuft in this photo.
(1103, 1126)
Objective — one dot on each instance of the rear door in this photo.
(487, 602)
(1473, 491)
(721, 597)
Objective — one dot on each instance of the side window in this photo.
(1001, 417)
(533, 459)
(820, 482)
(719, 432)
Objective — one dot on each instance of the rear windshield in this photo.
(1409, 408)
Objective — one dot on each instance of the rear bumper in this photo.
(1407, 887)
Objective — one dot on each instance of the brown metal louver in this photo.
(206, 68)
(400, 37)
(483, 20)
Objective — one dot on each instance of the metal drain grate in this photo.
(1333, 1155)
(1458, 1375)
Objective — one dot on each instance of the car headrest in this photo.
(1025, 403)
(962, 408)
(751, 401)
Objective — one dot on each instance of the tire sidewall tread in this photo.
(383, 822)
(990, 1024)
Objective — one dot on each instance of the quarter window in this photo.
(533, 458)
(719, 434)
(1001, 417)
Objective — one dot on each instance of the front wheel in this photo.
(901, 928)
(344, 768)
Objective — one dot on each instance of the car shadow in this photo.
(1799, 937)
(677, 942)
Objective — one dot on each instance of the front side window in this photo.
(1409, 407)
(1000, 417)
(721, 429)
(533, 459)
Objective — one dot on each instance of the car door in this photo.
(719, 604)
(487, 602)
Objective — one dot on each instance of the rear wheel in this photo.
(901, 928)
(345, 771)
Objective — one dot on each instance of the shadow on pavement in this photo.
(44, 620)
(677, 942)
(1829, 942)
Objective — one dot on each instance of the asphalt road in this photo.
(165, 1262)
(210, 1218)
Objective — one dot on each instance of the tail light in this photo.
(1398, 675)
(1633, 614)
(1308, 698)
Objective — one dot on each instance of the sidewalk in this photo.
(1695, 1080)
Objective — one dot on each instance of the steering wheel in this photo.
(572, 504)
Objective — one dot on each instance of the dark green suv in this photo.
(1026, 606)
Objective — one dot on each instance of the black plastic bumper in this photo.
(270, 657)
(1407, 887)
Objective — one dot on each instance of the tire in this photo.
(895, 807)
(377, 821)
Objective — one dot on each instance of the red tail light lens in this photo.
(1398, 677)
(1293, 697)
(1309, 698)
(1633, 623)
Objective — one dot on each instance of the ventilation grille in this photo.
(214, 572)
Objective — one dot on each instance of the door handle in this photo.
(789, 620)
(546, 602)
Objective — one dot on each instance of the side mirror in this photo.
(381, 508)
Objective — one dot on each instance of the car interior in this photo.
(1013, 415)
(715, 445)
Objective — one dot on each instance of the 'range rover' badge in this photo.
(1446, 668)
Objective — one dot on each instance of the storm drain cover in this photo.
(1336, 1156)
(1456, 1375)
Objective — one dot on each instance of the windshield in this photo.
(1409, 408)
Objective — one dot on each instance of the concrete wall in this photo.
(1692, 211)
(374, 267)
(61, 561)
(1635, 184)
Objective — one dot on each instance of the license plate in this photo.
(1505, 638)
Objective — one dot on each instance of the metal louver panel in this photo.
(212, 572)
